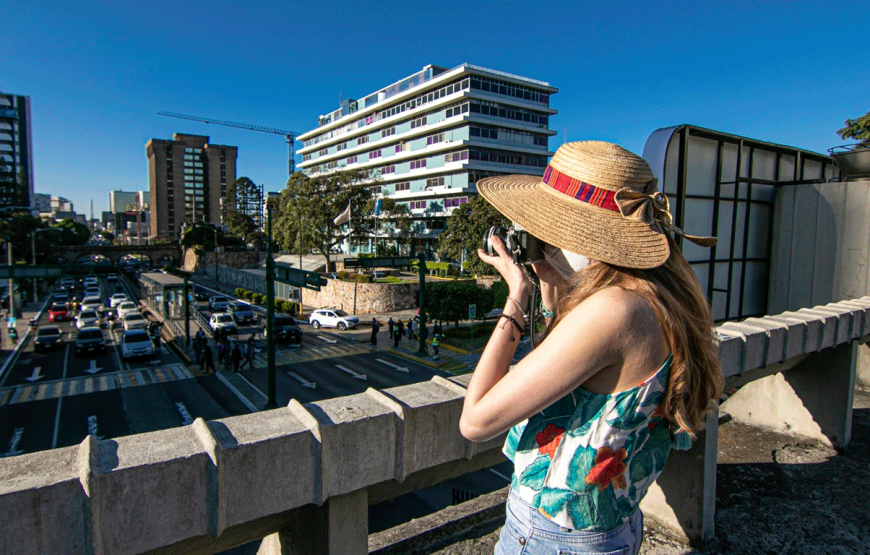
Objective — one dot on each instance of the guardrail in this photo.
(303, 476)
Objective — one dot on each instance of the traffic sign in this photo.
(13, 272)
(383, 262)
(472, 311)
(284, 273)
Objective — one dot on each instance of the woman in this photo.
(628, 367)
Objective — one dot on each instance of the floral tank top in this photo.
(586, 461)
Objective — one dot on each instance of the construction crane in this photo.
(289, 135)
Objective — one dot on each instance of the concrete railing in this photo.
(302, 477)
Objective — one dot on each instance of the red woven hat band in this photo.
(580, 190)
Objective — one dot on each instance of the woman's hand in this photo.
(513, 275)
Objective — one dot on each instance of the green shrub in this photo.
(362, 278)
(343, 275)
(466, 332)
(239, 291)
(500, 293)
(247, 295)
(288, 306)
(258, 298)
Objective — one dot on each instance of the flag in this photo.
(344, 217)
(378, 207)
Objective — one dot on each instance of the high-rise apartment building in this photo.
(427, 139)
(120, 200)
(16, 151)
(187, 178)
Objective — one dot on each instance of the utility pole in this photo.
(271, 403)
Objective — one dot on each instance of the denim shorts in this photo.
(527, 532)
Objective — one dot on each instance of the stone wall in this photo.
(200, 263)
(364, 298)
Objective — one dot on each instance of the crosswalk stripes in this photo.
(330, 351)
(90, 384)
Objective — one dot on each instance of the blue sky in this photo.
(98, 72)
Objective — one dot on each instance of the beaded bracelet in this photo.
(545, 312)
(513, 321)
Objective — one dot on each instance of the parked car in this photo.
(332, 318)
(48, 337)
(58, 312)
(90, 340)
(117, 299)
(126, 307)
(135, 321)
(87, 318)
(200, 296)
(136, 343)
(223, 321)
(287, 330)
(218, 303)
(241, 313)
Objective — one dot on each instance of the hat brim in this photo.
(573, 225)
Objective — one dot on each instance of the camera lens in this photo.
(494, 231)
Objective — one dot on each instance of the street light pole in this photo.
(271, 403)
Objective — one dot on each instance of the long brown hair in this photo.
(675, 295)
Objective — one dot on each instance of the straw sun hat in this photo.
(596, 199)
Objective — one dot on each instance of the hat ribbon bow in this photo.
(653, 208)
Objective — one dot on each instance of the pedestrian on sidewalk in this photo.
(249, 352)
(400, 330)
(390, 326)
(235, 356)
(219, 347)
(435, 343)
(207, 359)
(436, 329)
(424, 334)
(410, 329)
(375, 327)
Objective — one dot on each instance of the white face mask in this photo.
(565, 262)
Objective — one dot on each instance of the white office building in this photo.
(428, 138)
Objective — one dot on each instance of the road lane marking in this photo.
(92, 369)
(139, 377)
(396, 366)
(40, 393)
(301, 380)
(328, 340)
(351, 372)
(89, 385)
(12, 450)
(185, 416)
(35, 375)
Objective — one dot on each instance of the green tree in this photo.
(107, 236)
(857, 129)
(464, 232)
(238, 223)
(449, 300)
(80, 232)
(309, 205)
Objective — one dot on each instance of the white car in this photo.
(135, 321)
(90, 282)
(87, 318)
(136, 343)
(218, 321)
(92, 303)
(332, 318)
(126, 307)
(117, 299)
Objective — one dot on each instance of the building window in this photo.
(456, 156)
(362, 140)
(417, 204)
(403, 186)
(433, 139)
(419, 122)
(340, 146)
(351, 160)
(454, 202)
(388, 131)
(376, 190)
(322, 152)
(417, 164)
(434, 182)
(484, 132)
(374, 154)
(401, 147)
(388, 169)
(456, 110)
(306, 157)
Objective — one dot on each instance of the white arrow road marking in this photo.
(93, 367)
(303, 381)
(320, 337)
(13, 443)
(185, 416)
(35, 375)
(351, 372)
(396, 366)
(92, 427)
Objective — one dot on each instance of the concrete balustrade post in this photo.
(339, 527)
(813, 399)
(683, 498)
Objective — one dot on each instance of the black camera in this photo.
(523, 246)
